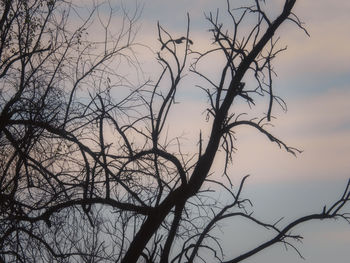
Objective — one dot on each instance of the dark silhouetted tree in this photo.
(87, 172)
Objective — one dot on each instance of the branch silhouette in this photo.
(177, 41)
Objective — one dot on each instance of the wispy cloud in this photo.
(312, 78)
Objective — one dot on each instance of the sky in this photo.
(313, 77)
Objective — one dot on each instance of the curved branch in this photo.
(265, 132)
(144, 210)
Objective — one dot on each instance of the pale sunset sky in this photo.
(314, 80)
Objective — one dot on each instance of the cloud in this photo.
(318, 125)
(326, 53)
(312, 78)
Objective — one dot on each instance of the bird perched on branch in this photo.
(177, 41)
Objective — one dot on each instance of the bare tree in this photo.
(88, 173)
(54, 71)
